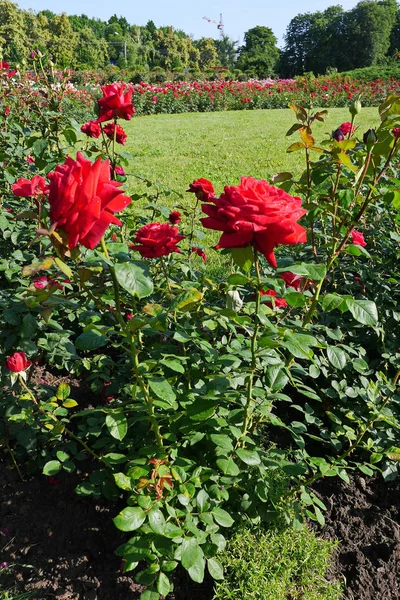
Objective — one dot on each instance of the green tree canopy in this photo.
(259, 54)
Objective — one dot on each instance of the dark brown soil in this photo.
(62, 545)
(365, 517)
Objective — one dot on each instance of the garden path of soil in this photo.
(69, 541)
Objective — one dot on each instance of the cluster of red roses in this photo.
(115, 103)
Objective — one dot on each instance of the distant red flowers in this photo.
(116, 102)
(258, 214)
(203, 189)
(157, 239)
(83, 200)
(18, 362)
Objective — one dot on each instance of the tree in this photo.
(208, 56)
(13, 43)
(92, 53)
(226, 50)
(259, 54)
(63, 42)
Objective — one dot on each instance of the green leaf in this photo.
(250, 457)
(330, 302)
(187, 300)
(162, 389)
(228, 466)
(157, 521)
(63, 391)
(163, 584)
(201, 409)
(296, 299)
(63, 267)
(52, 467)
(243, 257)
(314, 272)
(196, 572)
(191, 552)
(62, 456)
(130, 518)
(90, 340)
(117, 425)
(337, 357)
(37, 266)
(149, 595)
(222, 517)
(276, 378)
(364, 311)
(174, 365)
(215, 569)
(296, 147)
(123, 482)
(134, 277)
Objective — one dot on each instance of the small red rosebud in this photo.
(17, 362)
(174, 217)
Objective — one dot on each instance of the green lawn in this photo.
(220, 146)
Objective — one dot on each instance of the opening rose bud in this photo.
(338, 135)
(18, 362)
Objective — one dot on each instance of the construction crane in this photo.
(220, 24)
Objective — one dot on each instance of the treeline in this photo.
(319, 42)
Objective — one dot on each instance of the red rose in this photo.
(277, 302)
(200, 253)
(291, 280)
(358, 238)
(119, 171)
(120, 136)
(40, 282)
(255, 213)
(157, 239)
(396, 132)
(17, 362)
(27, 188)
(116, 102)
(83, 200)
(4, 66)
(174, 217)
(92, 129)
(203, 189)
(345, 128)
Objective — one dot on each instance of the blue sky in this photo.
(238, 15)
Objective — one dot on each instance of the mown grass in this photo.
(222, 146)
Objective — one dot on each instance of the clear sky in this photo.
(238, 15)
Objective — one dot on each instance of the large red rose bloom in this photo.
(258, 214)
(83, 200)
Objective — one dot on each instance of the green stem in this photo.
(115, 285)
(164, 270)
(149, 403)
(253, 346)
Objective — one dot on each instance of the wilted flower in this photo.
(174, 217)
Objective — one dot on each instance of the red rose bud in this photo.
(120, 135)
(116, 102)
(370, 138)
(338, 135)
(203, 189)
(257, 214)
(28, 188)
(357, 238)
(157, 239)
(396, 132)
(83, 200)
(18, 362)
(174, 217)
(200, 253)
(119, 171)
(345, 128)
(276, 302)
(91, 129)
